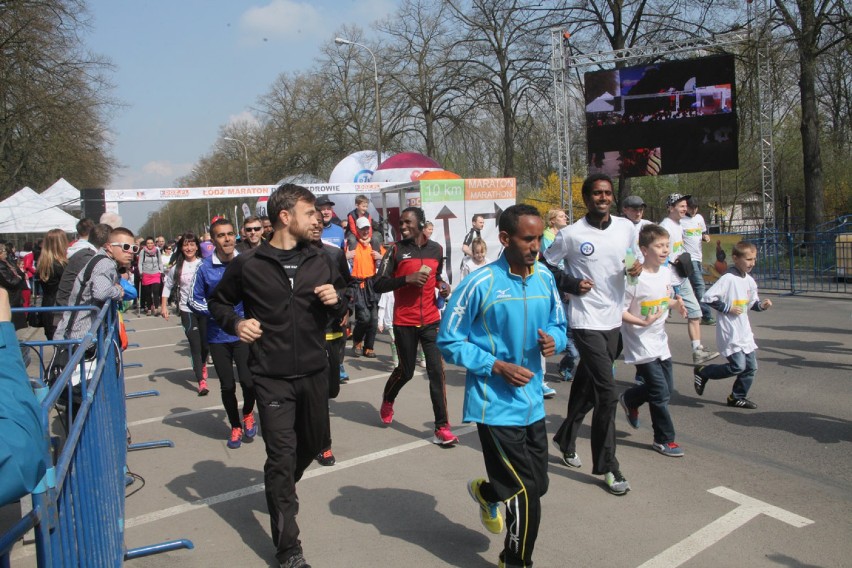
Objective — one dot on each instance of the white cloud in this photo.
(159, 173)
(245, 117)
(282, 20)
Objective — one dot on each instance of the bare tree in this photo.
(54, 98)
(502, 49)
(809, 22)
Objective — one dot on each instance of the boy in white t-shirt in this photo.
(646, 307)
(732, 296)
(676, 204)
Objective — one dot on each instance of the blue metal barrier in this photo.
(801, 262)
(78, 509)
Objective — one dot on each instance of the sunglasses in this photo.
(252, 229)
(126, 247)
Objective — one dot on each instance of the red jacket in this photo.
(414, 306)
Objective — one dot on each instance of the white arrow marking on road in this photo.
(706, 537)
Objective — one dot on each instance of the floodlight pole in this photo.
(342, 41)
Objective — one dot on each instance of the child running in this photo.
(732, 296)
(646, 307)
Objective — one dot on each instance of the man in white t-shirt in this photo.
(694, 235)
(676, 204)
(593, 249)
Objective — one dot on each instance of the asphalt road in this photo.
(768, 487)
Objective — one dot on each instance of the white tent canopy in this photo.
(26, 212)
(63, 195)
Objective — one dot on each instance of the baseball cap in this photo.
(633, 201)
(362, 223)
(324, 200)
(673, 198)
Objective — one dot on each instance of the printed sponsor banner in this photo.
(177, 193)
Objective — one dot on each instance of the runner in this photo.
(181, 274)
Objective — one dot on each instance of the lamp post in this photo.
(245, 149)
(198, 172)
(342, 41)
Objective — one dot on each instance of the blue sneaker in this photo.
(566, 374)
(344, 376)
(547, 391)
(250, 425)
(670, 449)
(632, 414)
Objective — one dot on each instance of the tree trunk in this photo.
(814, 190)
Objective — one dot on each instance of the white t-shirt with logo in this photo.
(675, 230)
(596, 255)
(733, 333)
(651, 294)
(693, 233)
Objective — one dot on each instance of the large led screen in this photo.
(666, 118)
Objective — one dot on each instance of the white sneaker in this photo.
(547, 391)
(701, 355)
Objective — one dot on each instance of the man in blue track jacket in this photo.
(497, 325)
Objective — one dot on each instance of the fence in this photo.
(819, 261)
(78, 509)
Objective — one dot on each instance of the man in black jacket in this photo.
(289, 289)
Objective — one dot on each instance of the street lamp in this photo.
(198, 172)
(241, 143)
(341, 41)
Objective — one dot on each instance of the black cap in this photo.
(324, 200)
(633, 201)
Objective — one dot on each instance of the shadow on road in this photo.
(210, 478)
(410, 516)
(823, 429)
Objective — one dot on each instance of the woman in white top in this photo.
(181, 273)
(477, 259)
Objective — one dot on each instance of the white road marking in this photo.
(133, 350)
(219, 407)
(231, 495)
(709, 535)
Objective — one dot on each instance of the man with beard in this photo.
(289, 290)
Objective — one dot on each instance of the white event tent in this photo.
(63, 195)
(26, 212)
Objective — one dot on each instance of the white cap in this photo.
(362, 222)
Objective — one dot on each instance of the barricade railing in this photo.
(78, 508)
(800, 262)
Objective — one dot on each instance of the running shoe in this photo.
(295, 561)
(369, 354)
(236, 439)
(250, 425)
(670, 449)
(701, 355)
(547, 390)
(204, 373)
(344, 376)
(616, 482)
(386, 412)
(445, 437)
(202, 387)
(571, 459)
(741, 402)
(708, 321)
(566, 374)
(489, 513)
(422, 362)
(632, 414)
(356, 349)
(326, 458)
(700, 382)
